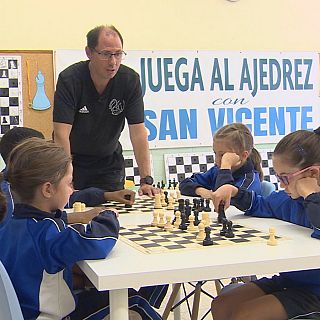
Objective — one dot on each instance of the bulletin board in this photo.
(31, 63)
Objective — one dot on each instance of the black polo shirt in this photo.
(97, 120)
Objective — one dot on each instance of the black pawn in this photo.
(183, 225)
(229, 232)
(196, 217)
(224, 227)
(181, 205)
(166, 197)
(187, 211)
(127, 197)
(207, 240)
(207, 207)
(201, 204)
(158, 185)
(221, 213)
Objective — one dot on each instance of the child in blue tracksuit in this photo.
(39, 250)
(90, 196)
(289, 295)
(237, 162)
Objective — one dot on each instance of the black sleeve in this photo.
(90, 196)
(64, 102)
(224, 176)
(188, 187)
(135, 106)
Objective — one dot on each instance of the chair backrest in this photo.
(267, 187)
(9, 304)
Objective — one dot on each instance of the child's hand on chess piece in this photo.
(125, 196)
(224, 194)
(85, 216)
(230, 160)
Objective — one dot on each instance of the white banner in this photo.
(188, 95)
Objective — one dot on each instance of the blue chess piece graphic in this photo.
(40, 100)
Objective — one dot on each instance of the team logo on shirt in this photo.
(116, 106)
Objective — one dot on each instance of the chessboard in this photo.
(149, 239)
(11, 113)
(142, 204)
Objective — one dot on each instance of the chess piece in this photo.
(170, 204)
(183, 225)
(168, 226)
(224, 227)
(181, 205)
(178, 219)
(40, 100)
(229, 232)
(201, 234)
(206, 218)
(161, 222)
(272, 241)
(77, 207)
(163, 200)
(207, 241)
(154, 222)
(207, 207)
(157, 201)
(127, 197)
(196, 217)
(221, 213)
(191, 226)
(83, 206)
(178, 194)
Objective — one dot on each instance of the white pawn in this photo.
(201, 235)
(178, 219)
(163, 200)
(154, 222)
(170, 204)
(161, 222)
(83, 206)
(77, 207)
(272, 241)
(157, 201)
(178, 194)
(168, 225)
(206, 218)
(191, 226)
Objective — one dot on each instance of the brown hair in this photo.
(93, 35)
(3, 206)
(300, 148)
(34, 162)
(241, 138)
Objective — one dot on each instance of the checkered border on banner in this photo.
(131, 169)
(182, 165)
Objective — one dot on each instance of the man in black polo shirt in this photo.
(92, 101)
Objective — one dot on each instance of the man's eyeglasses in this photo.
(285, 178)
(106, 55)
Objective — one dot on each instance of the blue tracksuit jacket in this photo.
(245, 177)
(38, 250)
(303, 212)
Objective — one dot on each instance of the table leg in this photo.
(119, 309)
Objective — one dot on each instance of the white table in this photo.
(127, 267)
